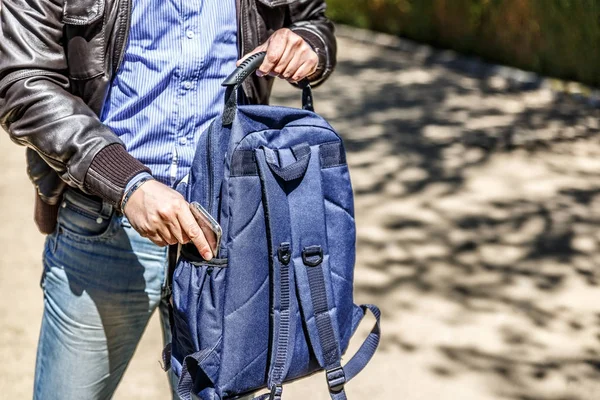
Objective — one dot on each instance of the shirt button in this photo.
(182, 141)
(187, 84)
(190, 34)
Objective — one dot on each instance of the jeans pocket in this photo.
(85, 219)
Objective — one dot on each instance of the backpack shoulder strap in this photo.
(281, 265)
(364, 354)
(307, 222)
(304, 219)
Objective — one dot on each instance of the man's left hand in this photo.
(288, 56)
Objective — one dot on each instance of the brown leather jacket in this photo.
(57, 58)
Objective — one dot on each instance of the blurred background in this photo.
(471, 128)
(553, 37)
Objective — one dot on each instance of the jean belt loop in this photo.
(107, 209)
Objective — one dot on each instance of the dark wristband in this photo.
(131, 190)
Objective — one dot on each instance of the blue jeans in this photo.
(102, 281)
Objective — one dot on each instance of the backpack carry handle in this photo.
(248, 66)
(245, 69)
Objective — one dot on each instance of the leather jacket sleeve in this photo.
(38, 110)
(309, 21)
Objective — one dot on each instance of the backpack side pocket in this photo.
(246, 316)
(198, 297)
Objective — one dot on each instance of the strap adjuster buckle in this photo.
(312, 255)
(336, 379)
(284, 253)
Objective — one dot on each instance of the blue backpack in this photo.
(276, 304)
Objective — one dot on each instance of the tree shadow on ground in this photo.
(477, 206)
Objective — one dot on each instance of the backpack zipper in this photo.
(210, 173)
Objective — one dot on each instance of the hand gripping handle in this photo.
(244, 70)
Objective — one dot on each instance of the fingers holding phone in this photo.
(196, 233)
(210, 227)
(162, 215)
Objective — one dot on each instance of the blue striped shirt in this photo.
(168, 88)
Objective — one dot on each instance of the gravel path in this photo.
(476, 207)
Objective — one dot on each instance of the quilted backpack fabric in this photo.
(276, 304)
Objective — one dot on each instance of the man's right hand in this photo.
(162, 215)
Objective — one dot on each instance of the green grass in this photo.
(558, 38)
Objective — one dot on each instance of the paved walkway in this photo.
(477, 208)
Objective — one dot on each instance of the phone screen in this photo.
(211, 228)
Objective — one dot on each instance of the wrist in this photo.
(134, 185)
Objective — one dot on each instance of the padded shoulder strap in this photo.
(309, 231)
(297, 226)
(309, 234)
(277, 218)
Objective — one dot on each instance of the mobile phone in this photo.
(210, 227)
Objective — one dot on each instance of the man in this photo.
(110, 97)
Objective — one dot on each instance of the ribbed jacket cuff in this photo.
(110, 171)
